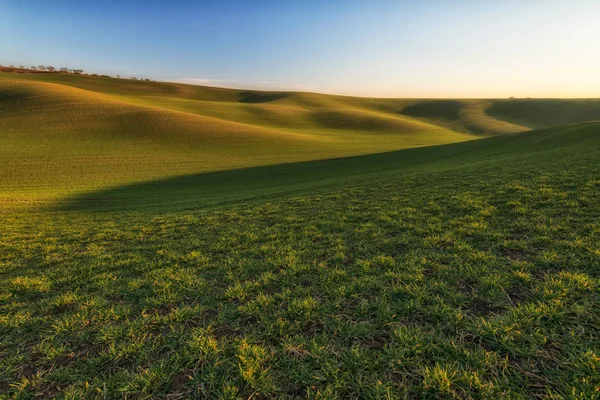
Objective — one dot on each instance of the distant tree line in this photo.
(49, 69)
(135, 78)
(38, 69)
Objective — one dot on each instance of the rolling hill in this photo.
(65, 134)
(199, 191)
(59, 139)
(171, 241)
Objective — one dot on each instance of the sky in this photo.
(382, 48)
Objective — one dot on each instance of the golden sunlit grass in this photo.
(153, 270)
(93, 132)
(59, 139)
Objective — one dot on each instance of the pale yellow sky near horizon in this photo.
(376, 48)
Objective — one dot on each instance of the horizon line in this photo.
(208, 82)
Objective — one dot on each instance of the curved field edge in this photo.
(478, 279)
(58, 140)
(81, 133)
(253, 184)
(479, 116)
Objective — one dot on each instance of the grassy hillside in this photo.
(487, 117)
(61, 139)
(547, 112)
(464, 116)
(197, 191)
(171, 241)
(65, 134)
(466, 270)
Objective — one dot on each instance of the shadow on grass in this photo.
(215, 188)
(261, 97)
(204, 190)
(446, 109)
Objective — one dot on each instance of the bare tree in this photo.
(22, 66)
(42, 67)
(64, 70)
(50, 68)
(33, 67)
(78, 71)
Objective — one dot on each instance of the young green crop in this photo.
(464, 271)
(169, 241)
(58, 140)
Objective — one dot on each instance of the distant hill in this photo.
(69, 133)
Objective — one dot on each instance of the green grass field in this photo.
(60, 139)
(171, 241)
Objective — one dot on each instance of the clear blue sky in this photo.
(401, 48)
